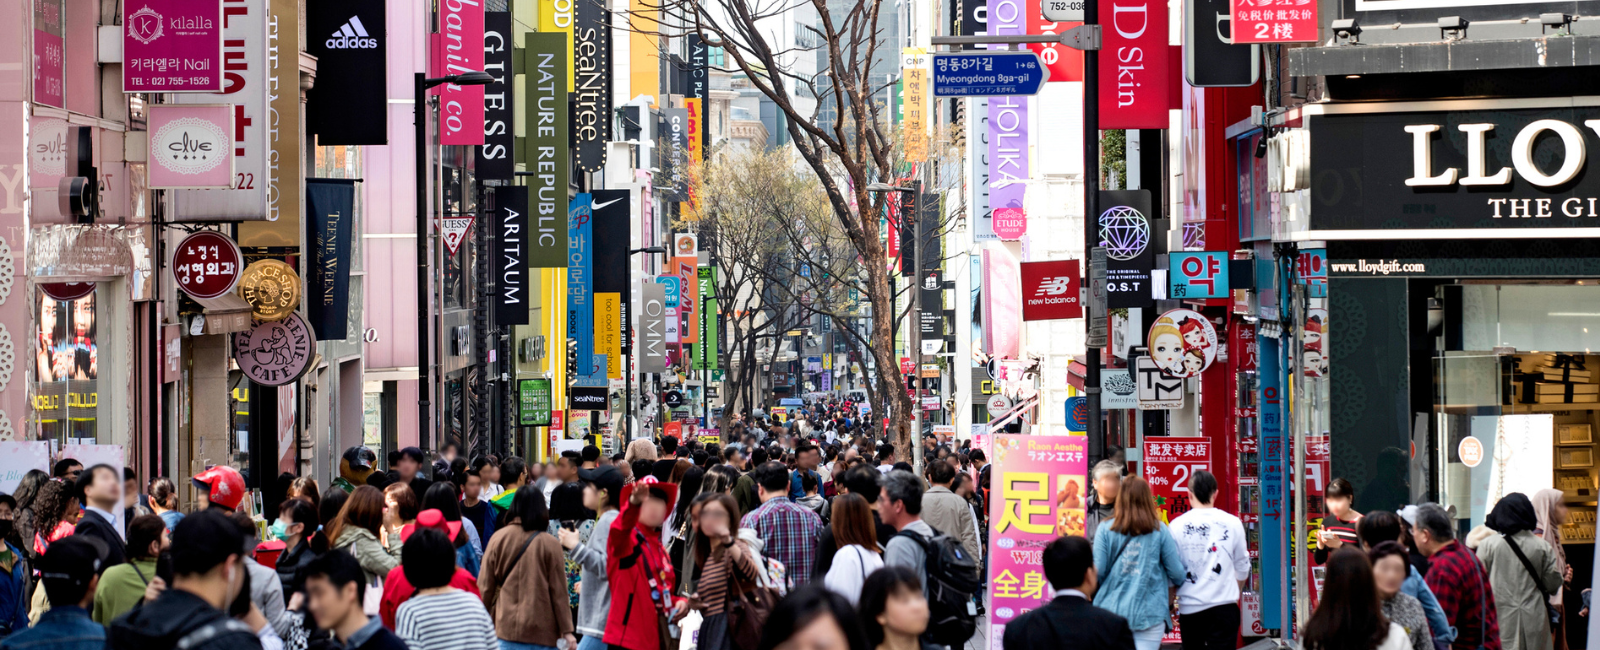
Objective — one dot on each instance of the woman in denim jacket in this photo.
(1138, 564)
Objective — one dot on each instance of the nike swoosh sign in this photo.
(597, 206)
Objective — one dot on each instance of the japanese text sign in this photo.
(172, 46)
(1038, 495)
(1197, 275)
(1170, 463)
(206, 264)
(1274, 21)
(1050, 290)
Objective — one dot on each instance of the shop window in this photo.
(72, 347)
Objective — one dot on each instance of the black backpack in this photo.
(953, 586)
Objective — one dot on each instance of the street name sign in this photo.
(988, 74)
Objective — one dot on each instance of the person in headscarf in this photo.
(1521, 590)
(1552, 515)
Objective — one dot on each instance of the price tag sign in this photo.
(207, 264)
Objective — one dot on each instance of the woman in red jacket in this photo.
(641, 571)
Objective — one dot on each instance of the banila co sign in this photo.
(1463, 170)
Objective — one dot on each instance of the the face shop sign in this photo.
(1515, 169)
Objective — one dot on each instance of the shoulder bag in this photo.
(748, 610)
(1550, 610)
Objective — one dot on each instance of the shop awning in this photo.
(225, 314)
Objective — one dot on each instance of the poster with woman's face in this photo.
(66, 341)
(1182, 343)
(1314, 351)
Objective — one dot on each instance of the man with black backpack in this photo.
(949, 573)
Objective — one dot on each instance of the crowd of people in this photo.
(789, 536)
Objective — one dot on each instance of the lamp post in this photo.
(627, 409)
(914, 339)
(419, 106)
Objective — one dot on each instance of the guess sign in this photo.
(191, 146)
(207, 264)
(274, 353)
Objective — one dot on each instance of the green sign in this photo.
(546, 60)
(708, 321)
(534, 408)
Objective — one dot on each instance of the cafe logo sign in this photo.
(274, 353)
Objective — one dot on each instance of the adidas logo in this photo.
(352, 36)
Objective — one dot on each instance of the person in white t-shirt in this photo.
(1212, 545)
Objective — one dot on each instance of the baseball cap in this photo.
(607, 478)
(360, 457)
(74, 557)
(1409, 513)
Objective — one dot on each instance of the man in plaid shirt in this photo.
(788, 531)
(1457, 580)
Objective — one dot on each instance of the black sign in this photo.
(931, 321)
(699, 80)
(494, 157)
(591, 110)
(1209, 60)
(546, 149)
(513, 290)
(1127, 232)
(932, 235)
(349, 103)
(331, 204)
(586, 398)
(974, 15)
(908, 224)
(1518, 169)
(610, 236)
(673, 399)
(675, 154)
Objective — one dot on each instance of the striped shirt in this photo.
(455, 620)
(713, 582)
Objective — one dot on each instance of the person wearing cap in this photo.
(410, 464)
(100, 490)
(639, 567)
(602, 490)
(524, 579)
(397, 589)
(221, 488)
(335, 591)
(208, 574)
(70, 571)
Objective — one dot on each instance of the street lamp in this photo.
(627, 409)
(914, 339)
(419, 103)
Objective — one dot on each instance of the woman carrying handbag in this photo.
(727, 573)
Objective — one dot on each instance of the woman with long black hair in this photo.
(1349, 616)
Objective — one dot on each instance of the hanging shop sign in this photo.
(914, 100)
(1002, 302)
(675, 154)
(50, 50)
(1197, 275)
(207, 264)
(608, 319)
(685, 244)
(494, 157)
(1040, 491)
(458, 48)
(1274, 21)
(706, 352)
(273, 290)
(580, 278)
(330, 204)
(246, 68)
(191, 147)
(1126, 236)
(1133, 66)
(454, 231)
(930, 318)
(997, 405)
(978, 161)
(587, 398)
(67, 290)
(652, 327)
(1157, 390)
(1211, 57)
(533, 404)
(591, 109)
(1117, 389)
(1065, 63)
(349, 103)
(274, 353)
(1050, 290)
(696, 152)
(1182, 343)
(1077, 414)
(1311, 270)
(546, 152)
(1009, 143)
(1174, 460)
(612, 210)
(168, 46)
(513, 291)
(672, 291)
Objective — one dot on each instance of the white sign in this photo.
(945, 429)
(1117, 389)
(1062, 11)
(16, 458)
(244, 55)
(998, 404)
(1157, 390)
(455, 231)
(932, 346)
(1471, 451)
(685, 244)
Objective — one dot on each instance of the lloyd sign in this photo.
(1483, 169)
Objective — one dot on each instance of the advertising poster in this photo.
(1002, 305)
(1169, 464)
(18, 458)
(1041, 485)
(535, 403)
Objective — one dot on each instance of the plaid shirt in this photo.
(789, 533)
(1461, 584)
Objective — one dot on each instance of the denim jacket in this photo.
(60, 628)
(1135, 573)
(1417, 588)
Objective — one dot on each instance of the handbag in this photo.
(1550, 610)
(748, 611)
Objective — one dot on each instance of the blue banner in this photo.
(580, 280)
(1274, 499)
(330, 202)
(674, 287)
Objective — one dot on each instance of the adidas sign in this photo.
(352, 36)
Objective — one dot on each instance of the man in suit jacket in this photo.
(100, 490)
(1070, 620)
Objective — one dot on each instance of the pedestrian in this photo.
(1552, 515)
(1069, 620)
(1107, 482)
(1522, 571)
(1348, 615)
(859, 554)
(475, 506)
(297, 527)
(358, 530)
(220, 488)
(397, 589)
(1139, 559)
(1458, 580)
(893, 612)
(400, 508)
(900, 505)
(1383, 526)
(99, 489)
(1389, 571)
(439, 616)
(514, 473)
(55, 514)
(788, 531)
(945, 511)
(867, 482)
(71, 574)
(1339, 525)
(488, 473)
(567, 512)
(524, 580)
(14, 573)
(305, 487)
(813, 618)
(1216, 562)
(811, 500)
(67, 469)
(123, 586)
(725, 564)
(807, 458)
(639, 568)
(602, 487)
(408, 472)
(469, 551)
(263, 590)
(164, 501)
(335, 592)
(192, 612)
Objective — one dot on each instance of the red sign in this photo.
(1274, 21)
(906, 366)
(1133, 65)
(1050, 290)
(457, 48)
(175, 46)
(674, 430)
(67, 290)
(1065, 63)
(1169, 464)
(207, 264)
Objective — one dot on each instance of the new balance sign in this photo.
(352, 35)
(1050, 290)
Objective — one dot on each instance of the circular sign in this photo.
(1125, 231)
(1077, 414)
(67, 290)
(997, 404)
(1182, 343)
(673, 399)
(207, 264)
(274, 353)
(272, 288)
(1471, 451)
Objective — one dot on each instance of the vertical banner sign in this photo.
(693, 155)
(974, 19)
(1065, 63)
(689, 305)
(676, 182)
(580, 277)
(1040, 488)
(460, 50)
(1211, 56)
(652, 327)
(672, 287)
(611, 209)
(608, 331)
(1050, 290)
(642, 24)
(591, 111)
(494, 157)
(1274, 21)
(1008, 163)
(1196, 275)
(50, 52)
(1125, 234)
(331, 205)
(1273, 504)
(699, 76)
(906, 227)
(1002, 303)
(555, 17)
(705, 353)
(1170, 463)
(1133, 65)
(978, 158)
(349, 104)
(513, 290)
(244, 75)
(534, 402)
(168, 46)
(914, 75)
(284, 140)
(547, 149)
(930, 322)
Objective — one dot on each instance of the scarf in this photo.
(1545, 503)
(1513, 514)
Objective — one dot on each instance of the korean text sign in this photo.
(1038, 495)
(172, 46)
(1197, 275)
(1274, 21)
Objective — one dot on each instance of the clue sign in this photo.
(191, 146)
(172, 46)
(206, 264)
(1050, 290)
(274, 353)
(1197, 275)
(1126, 236)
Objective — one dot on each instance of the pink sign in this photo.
(1274, 21)
(1133, 67)
(459, 49)
(1002, 303)
(1038, 494)
(173, 46)
(1010, 224)
(274, 353)
(191, 146)
(49, 52)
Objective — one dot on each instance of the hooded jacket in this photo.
(633, 554)
(177, 615)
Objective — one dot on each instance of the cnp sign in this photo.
(1197, 275)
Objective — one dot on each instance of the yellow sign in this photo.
(644, 49)
(556, 16)
(914, 74)
(283, 134)
(608, 331)
(272, 288)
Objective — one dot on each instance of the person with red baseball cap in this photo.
(397, 590)
(640, 569)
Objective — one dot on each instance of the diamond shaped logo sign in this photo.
(1126, 232)
(455, 231)
(1125, 236)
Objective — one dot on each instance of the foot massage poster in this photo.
(1039, 488)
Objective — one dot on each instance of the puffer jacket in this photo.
(633, 555)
